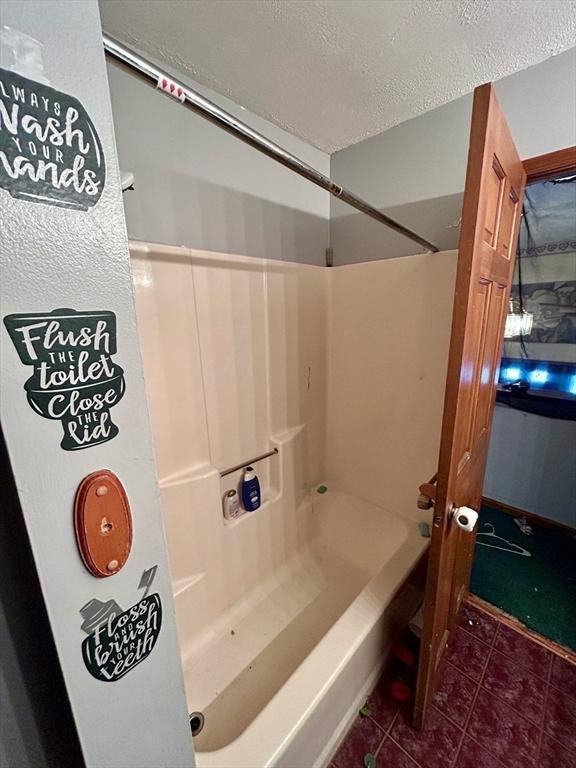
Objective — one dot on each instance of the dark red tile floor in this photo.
(503, 702)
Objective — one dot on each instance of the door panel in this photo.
(495, 182)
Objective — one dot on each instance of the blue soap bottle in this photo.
(250, 490)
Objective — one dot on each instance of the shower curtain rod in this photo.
(212, 112)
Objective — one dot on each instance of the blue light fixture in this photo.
(538, 376)
(513, 373)
(572, 385)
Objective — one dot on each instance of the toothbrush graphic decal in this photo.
(119, 640)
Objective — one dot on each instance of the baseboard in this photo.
(537, 519)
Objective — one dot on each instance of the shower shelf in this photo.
(268, 500)
(236, 467)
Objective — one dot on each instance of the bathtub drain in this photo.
(196, 723)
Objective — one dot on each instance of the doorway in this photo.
(525, 552)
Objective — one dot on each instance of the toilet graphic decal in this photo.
(75, 379)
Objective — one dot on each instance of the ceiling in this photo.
(334, 72)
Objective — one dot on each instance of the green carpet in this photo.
(539, 590)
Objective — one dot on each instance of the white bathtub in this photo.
(279, 674)
(285, 615)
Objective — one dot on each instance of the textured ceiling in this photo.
(337, 71)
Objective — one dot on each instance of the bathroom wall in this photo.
(389, 338)
(234, 353)
(532, 464)
(383, 441)
(416, 170)
(33, 700)
(200, 187)
(63, 245)
(346, 366)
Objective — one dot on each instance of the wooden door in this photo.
(491, 211)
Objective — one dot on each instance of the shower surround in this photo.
(285, 615)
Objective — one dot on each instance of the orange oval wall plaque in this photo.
(103, 523)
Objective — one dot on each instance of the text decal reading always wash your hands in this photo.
(49, 149)
(75, 379)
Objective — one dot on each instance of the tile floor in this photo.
(503, 702)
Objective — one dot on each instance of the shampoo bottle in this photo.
(250, 490)
(231, 505)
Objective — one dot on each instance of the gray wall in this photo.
(53, 257)
(532, 464)
(33, 701)
(198, 186)
(416, 171)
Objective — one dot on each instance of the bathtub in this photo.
(279, 674)
(286, 614)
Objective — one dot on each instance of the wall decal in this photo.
(119, 640)
(49, 149)
(147, 579)
(75, 379)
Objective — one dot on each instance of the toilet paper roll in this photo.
(465, 518)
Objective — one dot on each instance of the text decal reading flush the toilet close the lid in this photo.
(75, 379)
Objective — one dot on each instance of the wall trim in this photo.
(537, 519)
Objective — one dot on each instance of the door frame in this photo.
(551, 164)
